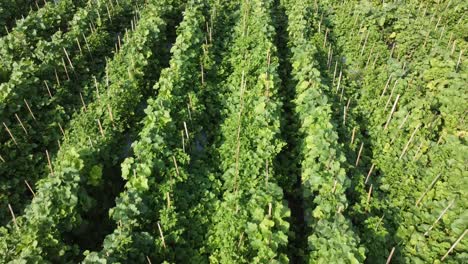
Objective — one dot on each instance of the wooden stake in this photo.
(453, 47)
(438, 218)
(186, 130)
(56, 77)
(267, 172)
(409, 142)
(30, 189)
(369, 173)
(175, 165)
(391, 112)
(325, 38)
(334, 186)
(344, 115)
(97, 88)
(61, 130)
(82, 101)
(168, 197)
(161, 234)
(21, 123)
(183, 140)
(50, 163)
(13, 216)
(391, 94)
(385, 88)
(269, 210)
(202, 74)
(29, 108)
(334, 73)
(428, 189)
(364, 45)
(339, 81)
(369, 193)
(100, 127)
(148, 259)
(459, 59)
(353, 134)
(404, 121)
(79, 46)
(48, 90)
(390, 256)
(9, 132)
(87, 45)
(1, 158)
(68, 58)
(359, 154)
(454, 245)
(108, 12)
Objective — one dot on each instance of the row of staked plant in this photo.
(254, 131)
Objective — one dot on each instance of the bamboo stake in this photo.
(453, 47)
(87, 45)
(339, 81)
(21, 123)
(61, 130)
(68, 58)
(100, 127)
(83, 102)
(56, 77)
(359, 154)
(454, 245)
(59, 145)
(391, 94)
(428, 189)
(79, 46)
(148, 259)
(344, 115)
(48, 90)
(385, 88)
(110, 112)
(390, 256)
(168, 197)
(1, 158)
(409, 142)
(108, 12)
(334, 73)
(50, 163)
(417, 152)
(161, 234)
(30, 189)
(369, 173)
(353, 135)
(269, 209)
(440, 216)
(202, 74)
(267, 172)
(325, 38)
(364, 45)
(334, 186)
(459, 59)
(369, 193)
(186, 130)
(29, 108)
(391, 112)
(183, 140)
(9, 132)
(404, 121)
(13, 216)
(175, 165)
(97, 87)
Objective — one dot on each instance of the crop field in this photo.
(233, 131)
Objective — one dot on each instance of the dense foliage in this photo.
(217, 131)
